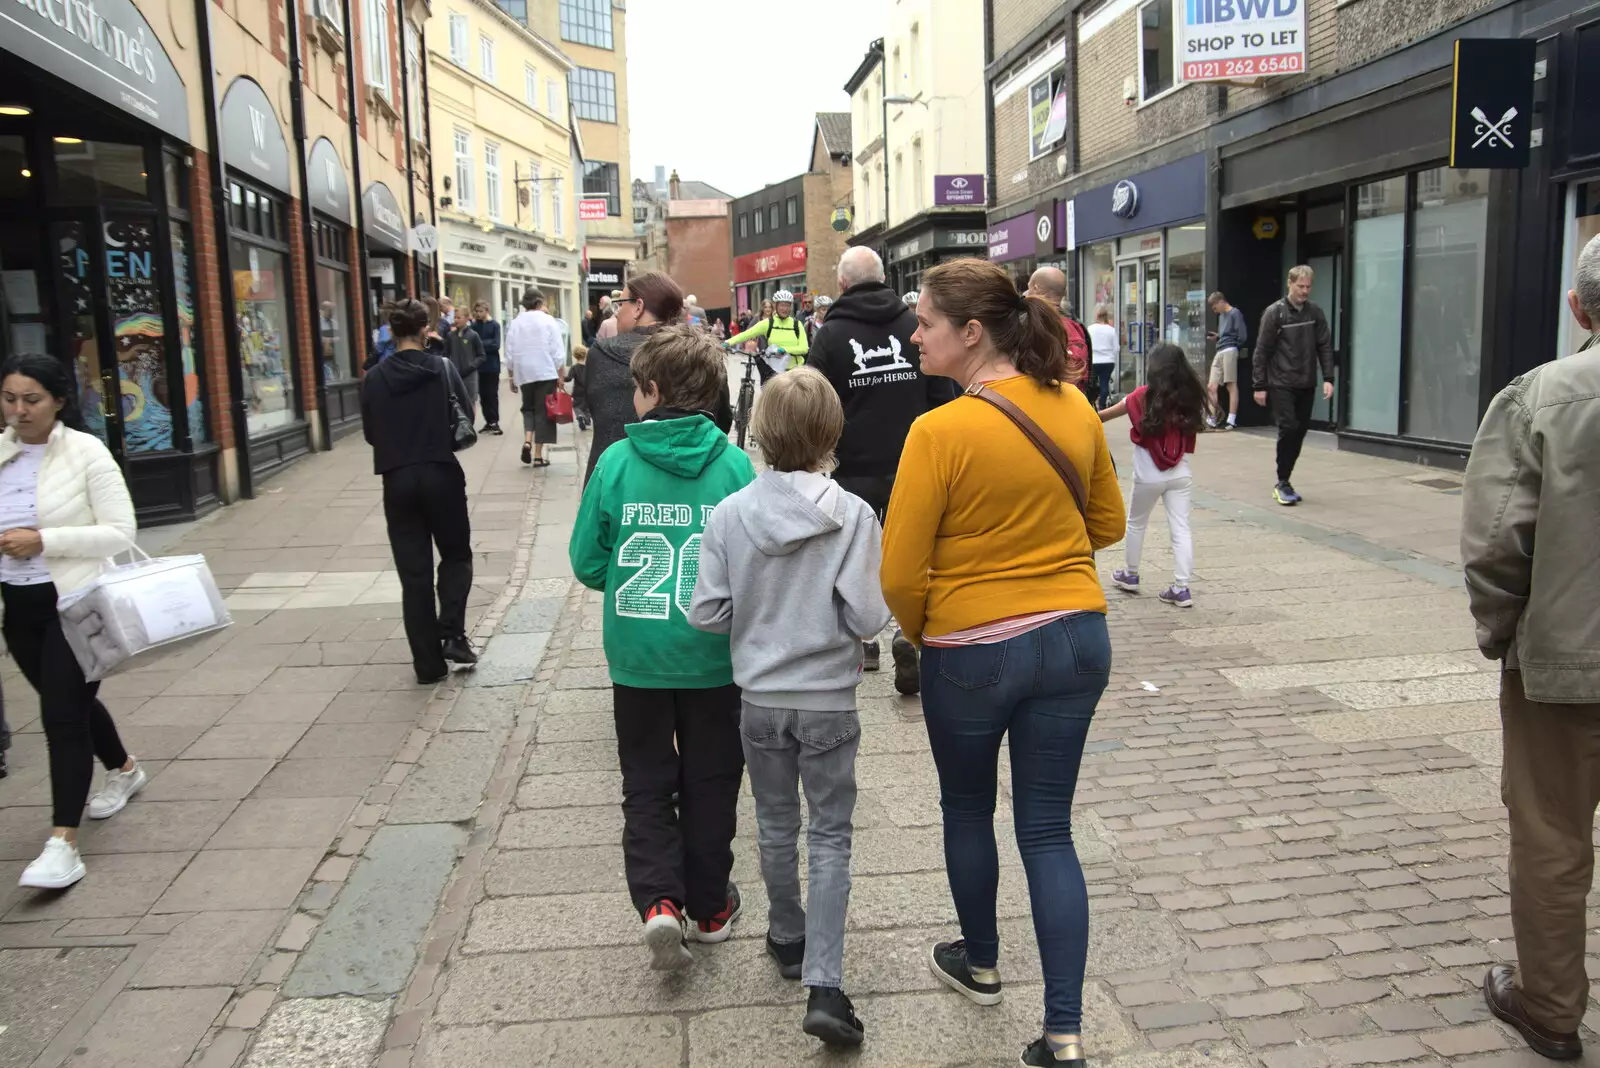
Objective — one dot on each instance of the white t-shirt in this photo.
(19, 507)
(1104, 339)
(1145, 469)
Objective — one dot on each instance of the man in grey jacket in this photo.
(1530, 515)
(1293, 341)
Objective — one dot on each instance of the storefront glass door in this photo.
(1139, 290)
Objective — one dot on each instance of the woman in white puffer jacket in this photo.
(64, 508)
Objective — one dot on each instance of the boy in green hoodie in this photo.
(637, 538)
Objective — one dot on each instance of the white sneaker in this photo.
(114, 795)
(57, 868)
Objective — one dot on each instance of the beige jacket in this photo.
(85, 512)
(1530, 530)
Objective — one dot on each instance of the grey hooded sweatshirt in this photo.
(789, 568)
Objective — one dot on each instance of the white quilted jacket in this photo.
(85, 512)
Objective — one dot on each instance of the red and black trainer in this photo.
(665, 932)
(720, 926)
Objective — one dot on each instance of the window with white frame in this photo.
(552, 98)
(559, 225)
(414, 79)
(537, 196)
(1157, 52)
(491, 178)
(458, 38)
(530, 86)
(375, 37)
(332, 13)
(486, 57)
(464, 183)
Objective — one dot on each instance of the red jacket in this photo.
(1169, 447)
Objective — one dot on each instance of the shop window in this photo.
(1377, 294)
(594, 94)
(587, 22)
(1185, 309)
(458, 39)
(99, 170)
(601, 179)
(1583, 225)
(1446, 303)
(1156, 54)
(334, 346)
(175, 175)
(261, 308)
(188, 333)
(16, 174)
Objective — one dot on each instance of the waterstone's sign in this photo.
(104, 47)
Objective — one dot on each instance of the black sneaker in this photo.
(870, 657)
(907, 673)
(459, 651)
(831, 1017)
(527, 454)
(789, 955)
(1040, 1055)
(428, 678)
(949, 963)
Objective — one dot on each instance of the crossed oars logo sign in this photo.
(1494, 134)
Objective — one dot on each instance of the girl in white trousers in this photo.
(1164, 417)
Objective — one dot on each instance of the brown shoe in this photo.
(1505, 1001)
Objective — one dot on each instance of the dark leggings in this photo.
(77, 726)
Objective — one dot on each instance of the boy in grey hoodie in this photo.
(789, 568)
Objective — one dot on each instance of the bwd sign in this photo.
(1224, 39)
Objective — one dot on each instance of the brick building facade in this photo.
(1152, 192)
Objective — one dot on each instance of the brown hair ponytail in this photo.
(1026, 330)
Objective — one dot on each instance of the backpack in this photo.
(772, 324)
(1079, 351)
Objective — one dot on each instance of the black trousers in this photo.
(77, 727)
(1291, 410)
(489, 396)
(683, 742)
(426, 506)
(874, 489)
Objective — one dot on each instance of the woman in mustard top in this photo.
(988, 565)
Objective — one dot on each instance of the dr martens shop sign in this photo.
(104, 47)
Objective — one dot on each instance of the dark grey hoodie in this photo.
(789, 568)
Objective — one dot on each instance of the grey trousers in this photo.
(785, 747)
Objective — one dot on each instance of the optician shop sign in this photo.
(951, 189)
(1223, 39)
(1012, 239)
(104, 47)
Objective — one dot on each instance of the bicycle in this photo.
(747, 387)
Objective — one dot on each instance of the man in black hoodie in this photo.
(864, 348)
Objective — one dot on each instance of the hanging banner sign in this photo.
(1492, 125)
(1220, 40)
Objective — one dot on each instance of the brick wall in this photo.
(305, 308)
(1105, 61)
(359, 326)
(700, 258)
(277, 31)
(210, 291)
(824, 244)
(1015, 19)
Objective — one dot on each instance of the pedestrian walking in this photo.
(1103, 344)
(488, 331)
(465, 349)
(1049, 284)
(64, 509)
(865, 350)
(988, 564)
(405, 415)
(1232, 332)
(534, 358)
(649, 302)
(1164, 417)
(382, 338)
(446, 316)
(1292, 343)
(789, 569)
(1530, 509)
(638, 538)
(578, 375)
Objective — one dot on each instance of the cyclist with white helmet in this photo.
(818, 315)
(911, 298)
(785, 335)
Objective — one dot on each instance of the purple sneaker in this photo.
(1126, 580)
(1175, 597)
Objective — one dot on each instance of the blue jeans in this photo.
(1102, 381)
(1042, 688)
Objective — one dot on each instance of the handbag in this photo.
(462, 433)
(558, 406)
(1041, 440)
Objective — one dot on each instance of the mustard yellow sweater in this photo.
(982, 528)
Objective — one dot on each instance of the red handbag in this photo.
(558, 406)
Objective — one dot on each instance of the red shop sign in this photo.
(770, 263)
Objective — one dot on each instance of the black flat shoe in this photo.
(1040, 1055)
(459, 651)
(831, 1017)
(791, 956)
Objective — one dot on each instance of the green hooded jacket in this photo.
(637, 538)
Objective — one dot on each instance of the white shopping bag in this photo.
(130, 609)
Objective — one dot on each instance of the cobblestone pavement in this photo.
(1288, 818)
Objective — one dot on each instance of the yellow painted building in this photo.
(506, 177)
(594, 34)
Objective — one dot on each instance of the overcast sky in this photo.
(727, 91)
